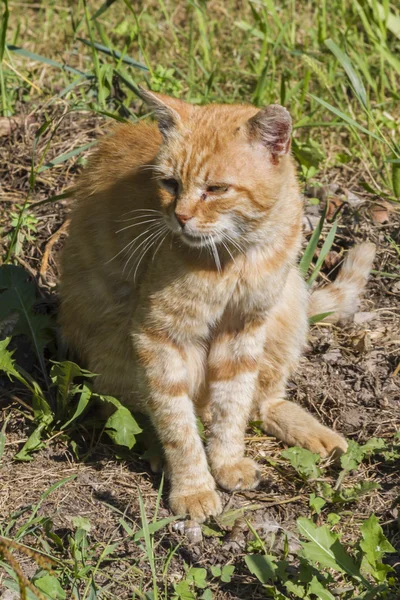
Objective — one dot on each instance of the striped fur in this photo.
(180, 287)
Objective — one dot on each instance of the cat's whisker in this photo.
(228, 251)
(137, 224)
(234, 242)
(215, 253)
(143, 210)
(160, 244)
(141, 216)
(142, 242)
(146, 249)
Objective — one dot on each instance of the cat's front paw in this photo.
(322, 440)
(242, 475)
(199, 505)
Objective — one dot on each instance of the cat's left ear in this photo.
(272, 126)
(168, 111)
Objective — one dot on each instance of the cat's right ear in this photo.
(168, 111)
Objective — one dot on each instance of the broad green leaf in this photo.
(183, 591)
(33, 443)
(316, 503)
(345, 61)
(325, 548)
(352, 457)
(319, 590)
(18, 294)
(374, 544)
(304, 461)
(346, 118)
(197, 576)
(122, 427)
(50, 586)
(82, 523)
(227, 572)
(62, 374)
(6, 359)
(86, 394)
(264, 567)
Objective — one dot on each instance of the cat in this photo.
(180, 286)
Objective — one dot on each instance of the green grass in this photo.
(336, 66)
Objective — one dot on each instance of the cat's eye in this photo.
(171, 185)
(217, 189)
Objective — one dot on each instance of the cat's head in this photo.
(220, 168)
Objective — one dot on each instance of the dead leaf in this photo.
(332, 259)
(380, 212)
(335, 204)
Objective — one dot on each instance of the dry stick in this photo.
(46, 254)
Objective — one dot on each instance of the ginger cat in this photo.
(180, 286)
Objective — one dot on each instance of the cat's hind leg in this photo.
(287, 328)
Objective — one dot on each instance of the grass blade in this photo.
(45, 60)
(62, 158)
(105, 6)
(324, 251)
(114, 53)
(355, 80)
(312, 245)
(346, 118)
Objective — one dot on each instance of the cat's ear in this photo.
(168, 111)
(272, 126)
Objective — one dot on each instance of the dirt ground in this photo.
(347, 378)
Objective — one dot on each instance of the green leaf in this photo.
(325, 548)
(316, 503)
(34, 442)
(84, 398)
(319, 590)
(122, 428)
(304, 461)
(50, 586)
(263, 567)
(183, 591)
(346, 118)
(81, 523)
(197, 576)
(19, 295)
(62, 374)
(228, 518)
(345, 61)
(152, 528)
(227, 572)
(6, 359)
(352, 457)
(374, 544)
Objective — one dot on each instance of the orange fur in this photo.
(180, 286)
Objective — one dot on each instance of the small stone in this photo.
(363, 317)
(353, 199)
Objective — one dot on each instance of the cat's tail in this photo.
(341, 297)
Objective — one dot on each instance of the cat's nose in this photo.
(183, 218)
